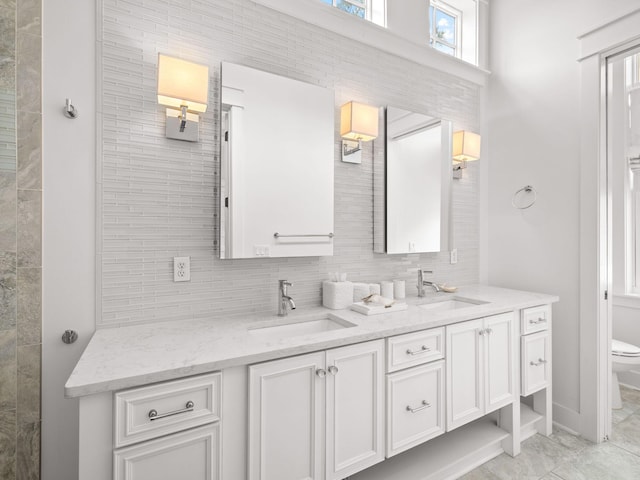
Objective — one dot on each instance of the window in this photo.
(632, 173)
(444, 28)
(371, 10)
(354, 7)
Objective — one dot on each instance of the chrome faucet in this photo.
(284, 300)
(424, 283)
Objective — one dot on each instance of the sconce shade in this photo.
(358, 121)
(466, 146)
(182, 83)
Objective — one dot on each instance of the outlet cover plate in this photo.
(181, 269)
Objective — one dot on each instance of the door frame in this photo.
(595, 229)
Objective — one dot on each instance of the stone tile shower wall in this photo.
(20, 238)
(158, 197)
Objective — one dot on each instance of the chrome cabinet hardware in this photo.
(321, 372)
(69, 336)
(424, 405)
(279, 235)
(333, 369)
(539, 320)
(423, 349)
(484, 331)
(540, 361)
(154, 415)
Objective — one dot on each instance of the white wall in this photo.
(68, 283)
(533, 115)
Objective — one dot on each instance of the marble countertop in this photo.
(130, 356)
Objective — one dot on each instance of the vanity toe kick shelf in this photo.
(444, 457)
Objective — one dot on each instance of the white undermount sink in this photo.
(302, 327)
(451, 304)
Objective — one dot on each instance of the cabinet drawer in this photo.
(155, 410)
(415, 406)
(536, 362)
(535, 319)
(415, 349)
(191, 455)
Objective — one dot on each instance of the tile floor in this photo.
(565, 457)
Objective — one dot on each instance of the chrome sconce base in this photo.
(181, 126)
(351, 151)
(457, 169)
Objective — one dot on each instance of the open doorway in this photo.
(623, 167)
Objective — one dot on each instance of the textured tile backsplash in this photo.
(158, 197)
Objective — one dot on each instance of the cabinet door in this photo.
(465, 378)
(286, 415)
(500, 360)
(190, 455)
(355, 408)
(415, 406)
(536, 362)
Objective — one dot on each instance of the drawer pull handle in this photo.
(424, 405)
(423, 349)
(540, 361)
(154, 415)
(333, 369)
(539, 320)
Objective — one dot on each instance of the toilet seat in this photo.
(622, 349)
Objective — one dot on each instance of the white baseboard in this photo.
(566, 419)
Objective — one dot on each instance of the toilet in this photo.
(624, 356)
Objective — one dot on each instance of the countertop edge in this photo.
(85, 388)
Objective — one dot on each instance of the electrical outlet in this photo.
(181, 269)
(453, 256)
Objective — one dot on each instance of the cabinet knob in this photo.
(333, 369)
(321, 372)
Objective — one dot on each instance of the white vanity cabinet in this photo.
(317, 416)
(480, 364)
(535, 370)
(168, 430)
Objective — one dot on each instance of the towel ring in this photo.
(516, 197)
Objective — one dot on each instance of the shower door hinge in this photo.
(606, 438)
(606, 294)
(226, 136)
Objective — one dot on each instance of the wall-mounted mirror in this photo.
(277, 160)
(412, 183)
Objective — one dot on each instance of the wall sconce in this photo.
(466, 148)
(358, 123)
(184, 88)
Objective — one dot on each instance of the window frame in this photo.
(457, 16)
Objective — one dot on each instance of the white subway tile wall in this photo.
(158, 198)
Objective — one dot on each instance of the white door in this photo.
(190, 455)
(499, 360)
(355, 408)
(286, 417)
(465, 378)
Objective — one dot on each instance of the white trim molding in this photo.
(330, 18)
